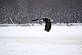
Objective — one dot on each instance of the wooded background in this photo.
(23, 11)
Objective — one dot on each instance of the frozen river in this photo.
(33, 40)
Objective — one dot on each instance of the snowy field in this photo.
(33, 40)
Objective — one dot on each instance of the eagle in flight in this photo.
(47, 23)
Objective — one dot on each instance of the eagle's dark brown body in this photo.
(48, 24)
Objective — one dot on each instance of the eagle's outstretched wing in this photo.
(35, 19)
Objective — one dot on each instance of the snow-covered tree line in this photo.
(22, 12)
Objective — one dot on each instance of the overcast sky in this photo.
(48, 3)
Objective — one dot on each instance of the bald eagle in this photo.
(47, 21)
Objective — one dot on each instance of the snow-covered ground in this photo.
(33, 40)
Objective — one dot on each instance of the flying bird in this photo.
(47, 21)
